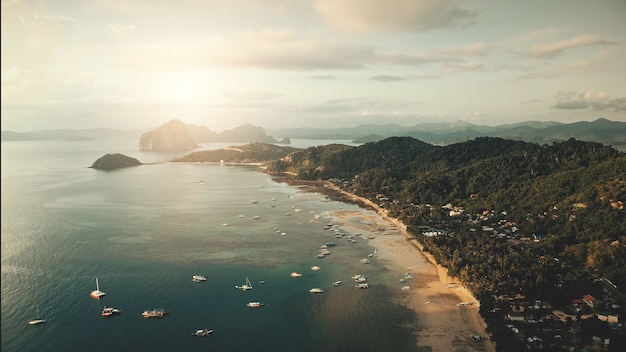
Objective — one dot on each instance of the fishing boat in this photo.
(365, 285)
(202, 332)
(315, 268)
(337, 283)
(109, 311)
(316, 290)
(246, 286)
(97, 293)
(154, 313)
(295, 274)
(254, 304)
(198, 278)
(38, 320)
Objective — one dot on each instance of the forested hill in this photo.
(572, 191)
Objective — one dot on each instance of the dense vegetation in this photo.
(249, 153)
(114, 161)
(518, 218)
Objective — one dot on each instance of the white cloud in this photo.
(121, 28)
(571, 100)
(553, 49)
(398, 15)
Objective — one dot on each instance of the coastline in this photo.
(433, 295)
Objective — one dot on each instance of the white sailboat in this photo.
(97, 293)
(246, 286)
(38, 320)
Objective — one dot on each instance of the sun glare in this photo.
(186, 86)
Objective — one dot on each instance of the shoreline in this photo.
(433, 295)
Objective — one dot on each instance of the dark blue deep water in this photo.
(145, 231)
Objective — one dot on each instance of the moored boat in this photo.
(246, 286)
(38, 320)
(97, 294)
(202, 332)
(109, 311)
(198, 278)
(154, 313)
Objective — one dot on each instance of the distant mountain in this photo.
(542, 132)
(73, 134)
(171, 136)
(601, 131)
(245, 133)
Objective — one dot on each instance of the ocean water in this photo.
(145, 231)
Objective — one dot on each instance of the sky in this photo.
(128, 64)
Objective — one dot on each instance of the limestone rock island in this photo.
(171, 136)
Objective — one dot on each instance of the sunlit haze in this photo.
(129, 64)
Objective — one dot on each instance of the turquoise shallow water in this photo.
(144, 232)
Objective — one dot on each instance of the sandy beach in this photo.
(443, 325)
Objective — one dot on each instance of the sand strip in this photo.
(434, 296)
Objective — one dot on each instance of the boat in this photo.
(109, 311)
(315, 267)
(38, 320)
(337, 283)
(316, 290)
(246, 286)
(202, 332)
(359, 278)
(198, 278)
(295, 274)
(154, 313)
(254, 304)
(97, 293)
(365, 285)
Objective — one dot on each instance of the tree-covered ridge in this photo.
(573, 191)
(341, 161)
(250, 153)
(508, 218)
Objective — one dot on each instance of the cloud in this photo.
(553, 49)
(399, 15)
(324, 77)
(269, 49)
(388, 78)
(442, 55)
(284, 50)
(121, 28)
(31, 40)
(600, 101)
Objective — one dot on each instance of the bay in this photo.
(144, 231)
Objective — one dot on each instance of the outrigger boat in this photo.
(109, 311)
(202, 332)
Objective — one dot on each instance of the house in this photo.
(590, 300)
(608, 317)
(516, 316)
